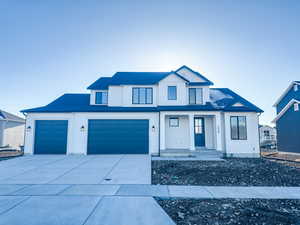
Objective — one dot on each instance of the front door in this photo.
(199, 132)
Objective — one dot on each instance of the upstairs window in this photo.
(295, 87)
(296, 107)
(195, 95)
(172, 92)
(238, 128)
(101, 98)
(142, 96)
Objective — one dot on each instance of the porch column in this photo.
(218, 132)
(162, 132)
(192, 133)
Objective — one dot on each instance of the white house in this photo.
(145, 113)
(267, 134)
(11, 130)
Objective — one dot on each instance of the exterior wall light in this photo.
(28, 129)
(153, 128)
(82, 128)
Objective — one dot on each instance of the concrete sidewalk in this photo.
(167, 191)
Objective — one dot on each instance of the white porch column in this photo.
(192, 133)
(162, 132)
(219, 129)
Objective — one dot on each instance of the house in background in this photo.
(267, 136)
(146, 113)
(11, 130)
(288, 119)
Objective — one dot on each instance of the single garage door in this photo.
(118, 137)
(51, 136)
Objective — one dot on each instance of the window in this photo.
(142, 96)
(195, 96)
(238, 127)
(295, 87)
(101, 98)
(267, 134)
(172, 93)
(174, 122)
(296, 107)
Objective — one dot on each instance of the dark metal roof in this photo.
(222, 99)
(10, 117)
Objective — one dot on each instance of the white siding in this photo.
(13, 134)
(182, 95)
(178, 137)
(127, 93)
(116, 96)
(192, 77)
(243, 148)
(77, 139)
(209, 132)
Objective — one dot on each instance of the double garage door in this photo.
(104, 137)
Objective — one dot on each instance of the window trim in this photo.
(201, 100)
(172, 99)
(174, 118)
(139, 99)
(238, 128)
(101, 98)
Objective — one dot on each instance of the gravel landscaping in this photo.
(232, 211)
(230, 172)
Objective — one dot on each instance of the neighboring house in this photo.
(267, 134)
(11, 130)
(288, 119)
(145, 113)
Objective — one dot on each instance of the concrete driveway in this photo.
(92, 169)
(77, 190)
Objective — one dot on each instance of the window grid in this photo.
(195, 96)
(142, 96)
(101, 98)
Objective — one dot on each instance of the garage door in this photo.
(51, 136)
(118, 137)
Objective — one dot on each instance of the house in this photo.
(288, 119)
(145, 113)
(267, 135)
(11, 130)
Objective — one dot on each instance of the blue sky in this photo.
(48, 48)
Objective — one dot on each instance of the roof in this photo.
(10, 117)
(222, 100)
(197, 73)
(142, 78)
(285, 92)
(100, 84)
(282, 112)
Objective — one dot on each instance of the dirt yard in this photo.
(232, 211)
(231, 172)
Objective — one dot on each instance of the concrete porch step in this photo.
(176, 153)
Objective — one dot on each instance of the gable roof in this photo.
(142, 78)
(222, 99)
(285, 92)
(10, 117)
(197, 74)
(282, 112)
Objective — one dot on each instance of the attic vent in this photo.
(295, 87)
(237, 104)
(296, 107)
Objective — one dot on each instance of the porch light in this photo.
(153, 128)
(82, 128)
(28, 129)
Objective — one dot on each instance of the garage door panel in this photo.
(51, 136)
(118, 137)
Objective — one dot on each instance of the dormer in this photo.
(99, 91)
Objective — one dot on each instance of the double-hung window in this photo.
(101, 98)
(195, 96)
(238, 126)
(142, 96)
(172, 93)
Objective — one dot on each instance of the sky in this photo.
(48, 48)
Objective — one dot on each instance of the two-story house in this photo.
(288, 119)
(267, 135)
(145, 113)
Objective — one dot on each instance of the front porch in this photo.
(188, 134)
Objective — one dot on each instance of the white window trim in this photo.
(296, 107)
(96, 97)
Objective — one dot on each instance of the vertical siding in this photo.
(288, 131)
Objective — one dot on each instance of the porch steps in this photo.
(176, 153)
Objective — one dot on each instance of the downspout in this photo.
(159, 133)
(259, 135)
